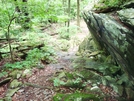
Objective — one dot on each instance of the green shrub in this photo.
(33, 57)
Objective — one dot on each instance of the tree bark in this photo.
(78, 13)
(69, 4)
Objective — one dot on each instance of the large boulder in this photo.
(114, 32)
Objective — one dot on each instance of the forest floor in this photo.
(43, 76)
(39, 86)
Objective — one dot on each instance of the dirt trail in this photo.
(42, 76)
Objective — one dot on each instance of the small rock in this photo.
(21, 90)
(15, 84)
(15, 74)
(95, 88)
(27, 73)
(127, 16)
(11, 92)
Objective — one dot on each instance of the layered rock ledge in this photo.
(114, 32)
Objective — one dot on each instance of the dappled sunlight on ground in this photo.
(43, 77)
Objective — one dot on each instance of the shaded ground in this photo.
(42, 77)
(40, 85)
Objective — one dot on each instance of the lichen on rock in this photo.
(113, 31)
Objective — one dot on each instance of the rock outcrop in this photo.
(114, 32)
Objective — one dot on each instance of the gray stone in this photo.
(127, 16)
(15, 74)
(96, 89)
(26, 73)
(129, 4)
(15, 84)
(114, 37)
(10, 92)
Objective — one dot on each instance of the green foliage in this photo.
(58, 82)
(16, 65)
(68, 80)
(24, 16)
(48, 54)
(75, 97)
(63, 18)
(112, 3)
(45, 11)
(34, 56)
(102, 73)
(63, 44)
(3, 74)
(52, 11)
(103, 4)
(6, 12)
(104, 68)
(67, 32)
(123, 79)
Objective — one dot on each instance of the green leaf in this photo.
(58, 82)
(2, 74)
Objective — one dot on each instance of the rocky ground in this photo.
(37, 84)
(43, 76)
(40, 79)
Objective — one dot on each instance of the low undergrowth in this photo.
(98, 80)
(94, 75)
(33, 57)
(109, 5)
(28, 53)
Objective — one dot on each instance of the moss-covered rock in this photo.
(127, 16)
(75, 97)
(114, 37)
(15, 74)
(26, 73)
(112, 28)
(110, 5)
(10, 92)
(14, 84)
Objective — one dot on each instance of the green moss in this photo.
(75, 97)
(105, 4)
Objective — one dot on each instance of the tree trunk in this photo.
(24, 17)
(78, 13)
(69, 4)
(8, 38)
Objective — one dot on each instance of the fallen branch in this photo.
(5, 81)
(2, 43)
(1, 39)
(44, 28)
(28, 48)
